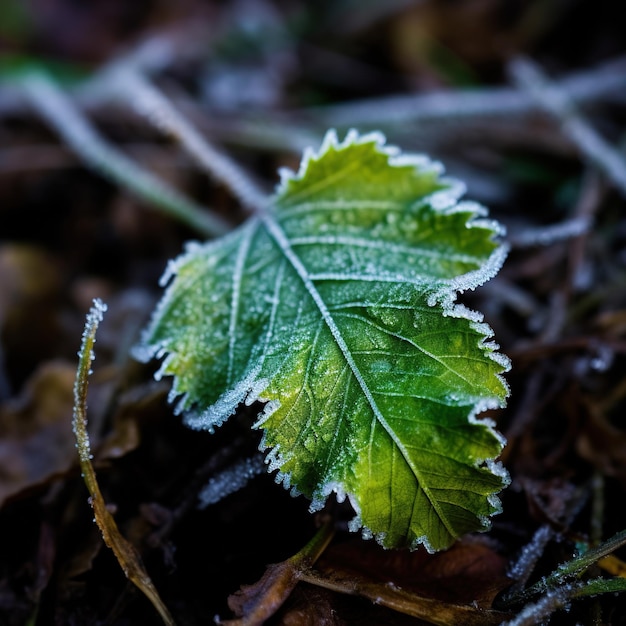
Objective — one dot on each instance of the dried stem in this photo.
(522, 569)
(126, 554)
(405, 602)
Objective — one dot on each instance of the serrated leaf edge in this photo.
(446, 201)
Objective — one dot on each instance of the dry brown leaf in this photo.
(35, 435)
(469, 572)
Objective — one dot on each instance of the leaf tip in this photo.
(331, 142)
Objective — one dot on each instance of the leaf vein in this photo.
(240, 261)
(382, 244)
(306, 208)
(427, 353)
(283, 243)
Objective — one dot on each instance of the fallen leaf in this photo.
(470, 572)
(35, 441)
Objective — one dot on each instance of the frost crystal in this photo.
(225, 405)
(531, 553)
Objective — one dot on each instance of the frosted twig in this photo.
(560, 597)
(58, 110)
(533, 613)
(604, 82)
(583, 87)
(150, 101)
(230, 480)
(522, 568)
(150, 55)
(557, 102)
(546, 235)
(569, 570)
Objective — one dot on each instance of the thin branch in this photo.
(231, 479)
(547, 235)
(152, 103)
(557, 102)
(58, 110)
(533, 613)
(150, 55)
(522, 569)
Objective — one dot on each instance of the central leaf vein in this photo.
(238, 272)
(276, 232)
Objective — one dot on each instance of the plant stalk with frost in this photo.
(125, 553)
(336, 306)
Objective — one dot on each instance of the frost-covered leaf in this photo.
(337, 308)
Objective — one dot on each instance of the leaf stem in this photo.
(126, 554)
(260, 601)
(57, 109)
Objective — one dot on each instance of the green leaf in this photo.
(337, 308)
